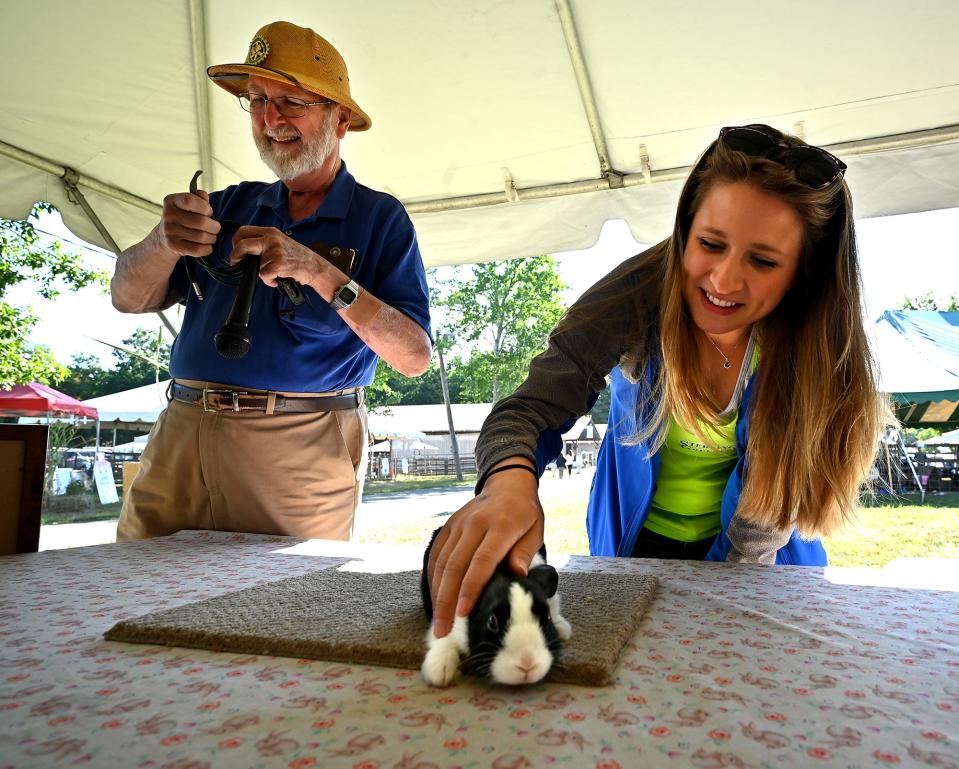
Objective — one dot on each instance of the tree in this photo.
(147, 354)
(600, 410)
(23, 257)
(141, 359)
(509, 308)
(86, 378)
(928, 302)
(391, 388)
(381, 392)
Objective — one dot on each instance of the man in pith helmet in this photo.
(275, 440)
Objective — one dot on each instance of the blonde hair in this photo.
(816, 412)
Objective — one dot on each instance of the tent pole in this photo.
(454, 445)
(888, 467)
(568, 23)
(55, 169)
(201, 84)
(97, 447)
(922, 491)
(71, 180)
(895, 142)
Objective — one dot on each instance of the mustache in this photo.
(287, 132)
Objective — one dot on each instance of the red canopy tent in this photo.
(37, 400)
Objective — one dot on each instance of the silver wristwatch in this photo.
(346, 296)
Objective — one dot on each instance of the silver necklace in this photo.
(726, 363)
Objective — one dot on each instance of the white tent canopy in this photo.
(507, 129)
(131, 409)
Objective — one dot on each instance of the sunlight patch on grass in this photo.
(882, 534)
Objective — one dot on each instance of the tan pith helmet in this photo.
(290, 54)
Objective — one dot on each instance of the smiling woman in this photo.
(740, 259)
(744, 408)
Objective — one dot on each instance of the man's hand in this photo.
(282, 257)
(506, 517)
(187, 226)
(141, 281)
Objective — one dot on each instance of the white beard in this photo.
(312, 152)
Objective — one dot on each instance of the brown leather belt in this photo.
(218, 399)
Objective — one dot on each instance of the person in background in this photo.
(744, 405)
(275, 441)
(561, 463)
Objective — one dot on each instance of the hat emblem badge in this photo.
(259, 50)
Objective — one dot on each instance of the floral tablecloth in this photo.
(733, 666)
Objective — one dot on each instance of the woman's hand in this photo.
(506, 517)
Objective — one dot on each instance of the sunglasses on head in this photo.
(812, 166)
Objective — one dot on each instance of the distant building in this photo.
(423, 431)
(418, 431)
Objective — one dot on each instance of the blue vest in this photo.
(625, 481)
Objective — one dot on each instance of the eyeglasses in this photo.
(255, 103)
(812, 166)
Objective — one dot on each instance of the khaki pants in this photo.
(284, 473)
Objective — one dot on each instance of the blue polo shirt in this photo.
(313, 350)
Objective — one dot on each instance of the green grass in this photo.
(914, 499)
(98, 513)
(880, 534)
(405, 483)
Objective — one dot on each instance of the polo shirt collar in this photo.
(336, 205)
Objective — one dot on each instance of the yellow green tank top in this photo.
(693, 474)
(691, 481)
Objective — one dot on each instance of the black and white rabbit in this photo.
(513, 634)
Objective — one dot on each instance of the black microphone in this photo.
(233, 339)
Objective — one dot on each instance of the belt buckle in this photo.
(207, 391)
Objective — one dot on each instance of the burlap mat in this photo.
(377, 619)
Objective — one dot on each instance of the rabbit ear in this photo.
(546, 577)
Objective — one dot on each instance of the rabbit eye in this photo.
(493, 623)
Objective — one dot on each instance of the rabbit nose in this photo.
(526, 664)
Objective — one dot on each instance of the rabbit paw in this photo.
(441, 665)
(563, 629)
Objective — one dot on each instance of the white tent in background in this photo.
(135, 446)
(950, 437)
(507, 129)
(135, 409)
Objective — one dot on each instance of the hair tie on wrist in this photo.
(507, 467)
